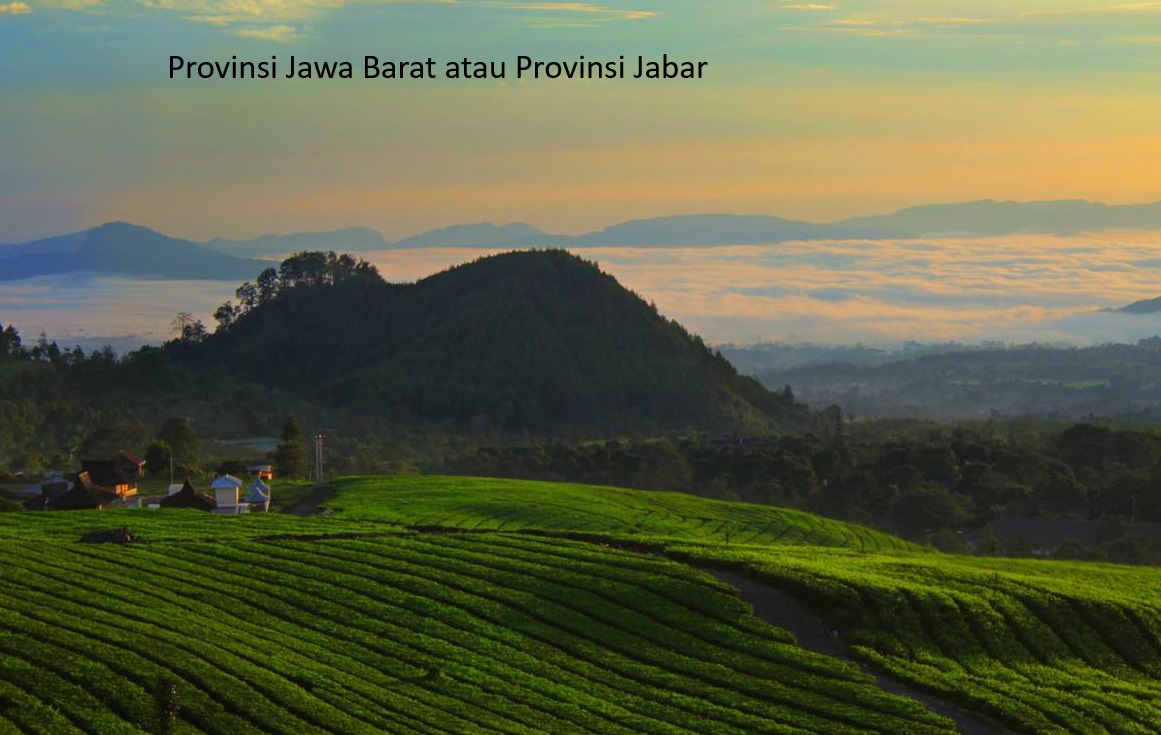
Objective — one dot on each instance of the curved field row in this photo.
(469, 503)
(1044, 647)
(405, 634)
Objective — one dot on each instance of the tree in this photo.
(247, 295)
(9, 341)
(226, 314)
(180, 322)
(290, 455)
(181, 438)
(45, 351)
(194, 332)
(157, 457)
(267, 285)
(189, 330)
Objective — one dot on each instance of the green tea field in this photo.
(453, 605)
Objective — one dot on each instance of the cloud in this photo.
(280, 33)
(234, 11)
(16, 8)
(1018, 288)
(286, 20)
(809, 6)
(1012, 288)
(573, 15)
(1113, 22)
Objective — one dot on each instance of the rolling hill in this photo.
(519, 340)
(477, 504)
(458, 605)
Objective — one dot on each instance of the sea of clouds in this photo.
(1017, 288)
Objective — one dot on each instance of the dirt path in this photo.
(309, 505)
(779, 608)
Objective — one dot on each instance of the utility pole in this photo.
(318, 458)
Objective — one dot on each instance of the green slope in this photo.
(520, 616)
(481, 504)
(419, 634)
(1043, 647)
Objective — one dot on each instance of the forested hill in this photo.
(531, 339)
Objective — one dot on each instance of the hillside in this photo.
(407, 609)
(479, 504)
(120, 248)
(1144, 306)
(520, 340)
(406, 634)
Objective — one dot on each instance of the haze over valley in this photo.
(883, 282)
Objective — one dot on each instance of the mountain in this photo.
(482, 234)
(352, 239)
(1144, 306)
(989, 217)
(713, 229)
(527, 339)
(123, 249)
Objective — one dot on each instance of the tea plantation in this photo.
(453, 605)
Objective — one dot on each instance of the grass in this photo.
(406, 634)
(481, 504)
(523, 615)
(1044, 647)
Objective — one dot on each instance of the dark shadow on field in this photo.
(310, 504)
(781, 609)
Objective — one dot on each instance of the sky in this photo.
(808, 110)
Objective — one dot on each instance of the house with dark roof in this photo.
(187, 497)
(119, 474)
(82, 495)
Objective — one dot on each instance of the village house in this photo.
(258, 496)
(119, 474)
(187, 497)
(81, 494)
(227, 492)
(264, 472)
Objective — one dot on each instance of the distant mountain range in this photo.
(1145, 306)
(989, 217)
(349, 240)
(119, 248)
(127, 249)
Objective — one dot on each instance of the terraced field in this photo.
(450, 605)
(412, 634)
(481, 504)
(1043, 647)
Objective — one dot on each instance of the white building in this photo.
(227, 490)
